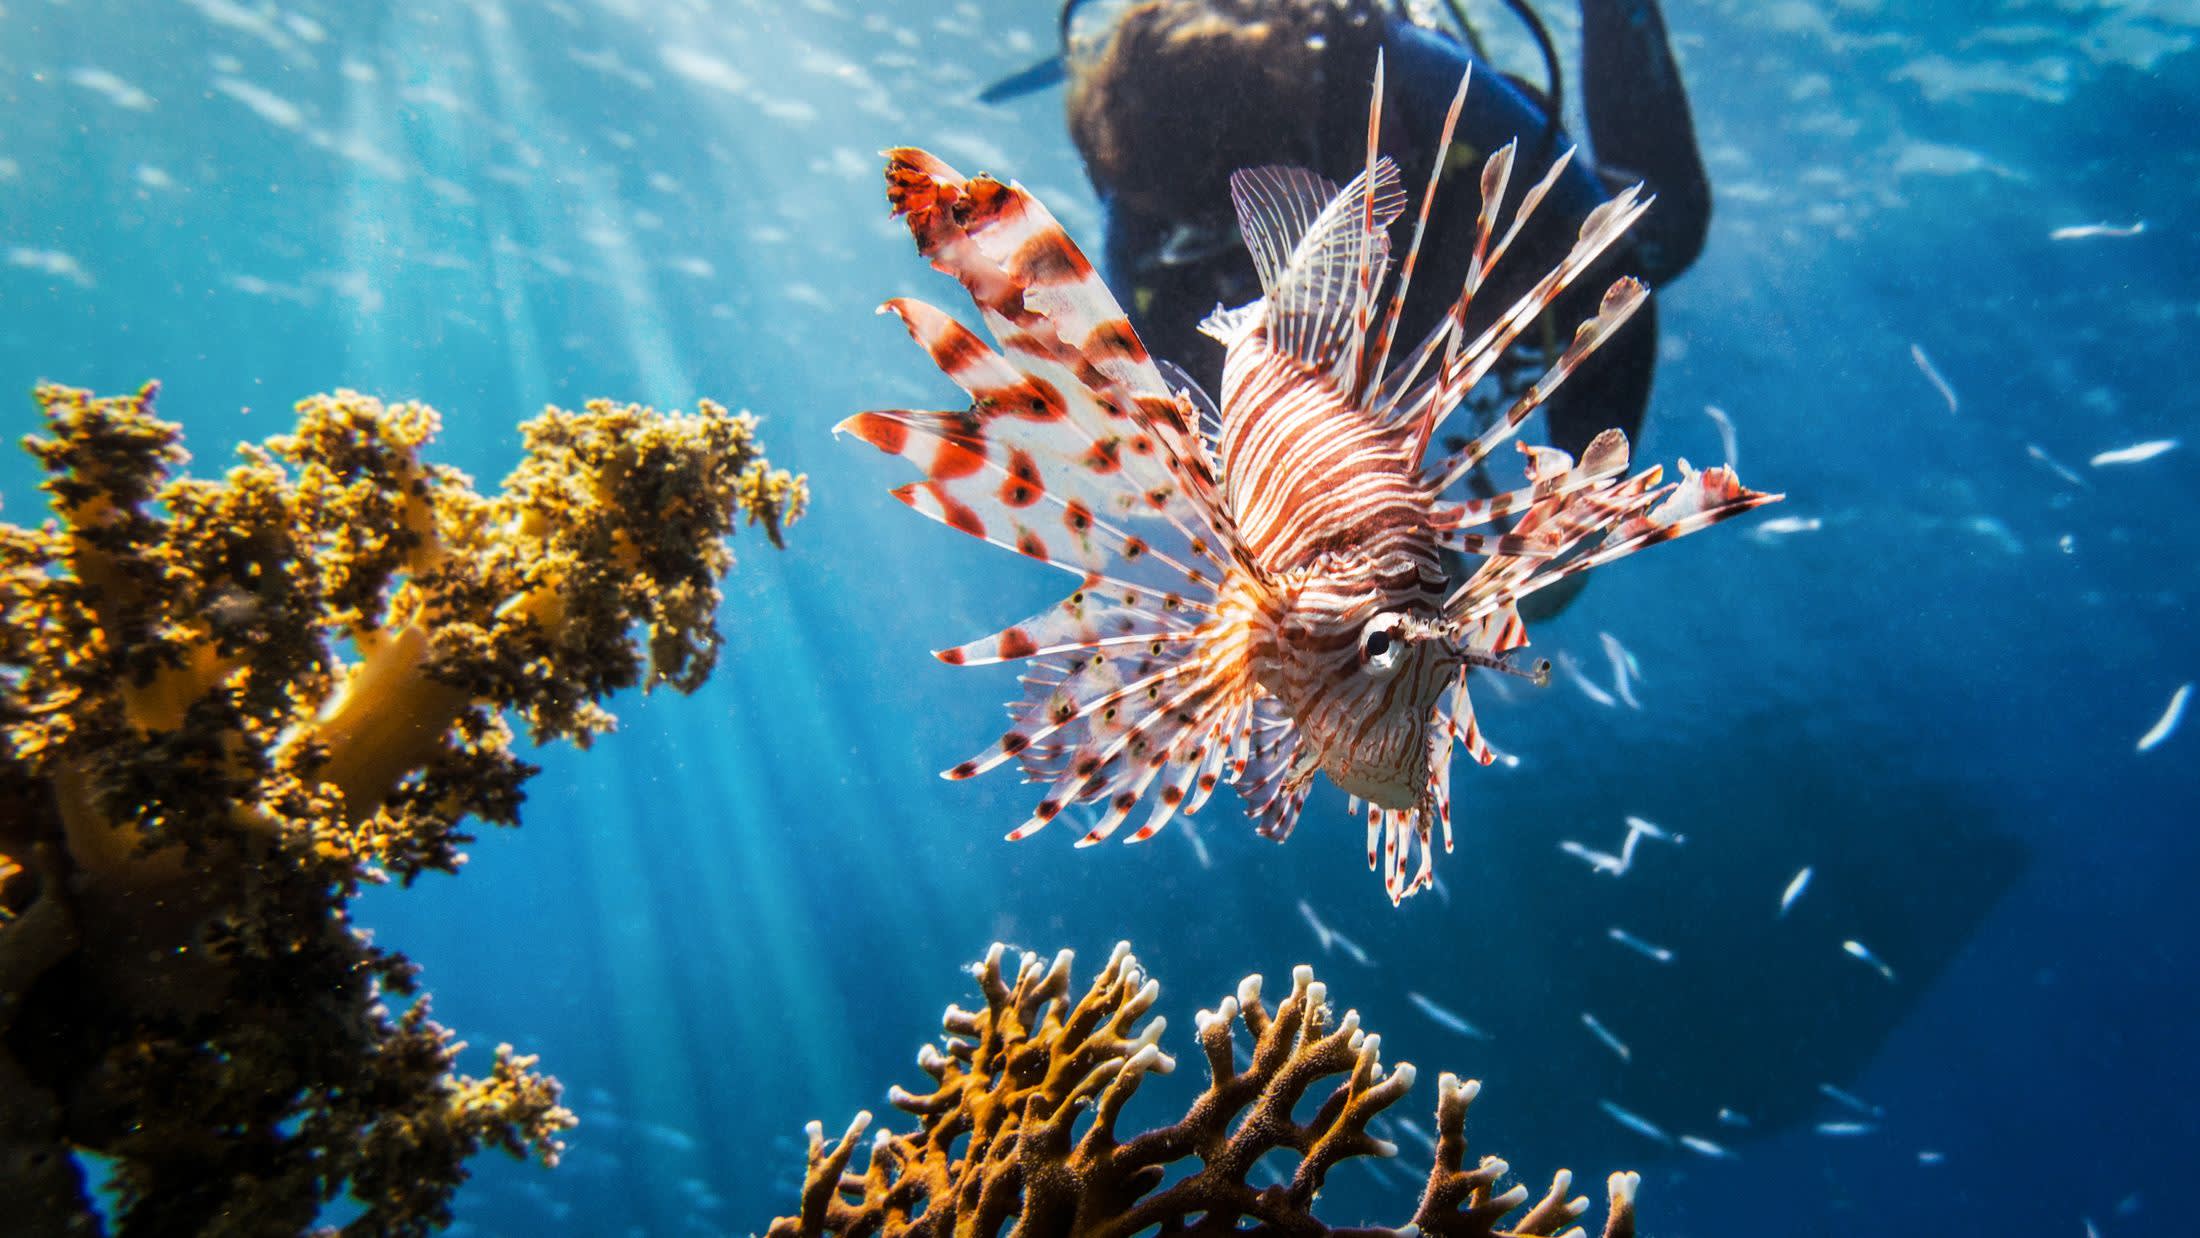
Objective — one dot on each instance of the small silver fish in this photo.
(1625, 670)
(1603, 1033)
(1932, 374)
(1446, 1019)
(1321, 931)
(2060, 469)
(2081, 232)
(1379, 1169)
(2135, 454)
(1418, 1132)
(1573, 672)
(1859, 950)
(1330, 939)
(1636, 1122)
(1845, 1130)
(1728, 1117)
(1850, 1100)
(1199, 846)
(1617, 865)
(1639, 825)
(1726, 431)
(1926, 1156)
(1794, 890)
(2166, 725)
(1601, 861)
(1783, 526)
(1698, 1144)
(1638, 945)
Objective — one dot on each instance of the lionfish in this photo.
(1260, 590)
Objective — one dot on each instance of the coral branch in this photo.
(993, 1140)
(225, 704)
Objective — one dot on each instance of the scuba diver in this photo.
(1167, 98)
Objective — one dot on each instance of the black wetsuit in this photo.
(1639, 120)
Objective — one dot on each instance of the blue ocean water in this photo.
(747, 908)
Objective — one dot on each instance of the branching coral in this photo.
(998, 1138)
(225, 704)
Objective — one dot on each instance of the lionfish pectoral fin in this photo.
(1101, 617)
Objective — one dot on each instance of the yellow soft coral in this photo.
(998, 1140)
(224, 704)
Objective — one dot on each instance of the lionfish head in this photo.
(1361, 672)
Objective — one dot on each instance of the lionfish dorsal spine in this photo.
(1377, 358)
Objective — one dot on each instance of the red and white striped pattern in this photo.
(1263, 600)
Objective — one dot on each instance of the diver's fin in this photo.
(1047, 73)
(1639, 122)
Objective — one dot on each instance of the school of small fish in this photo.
(1860, 1117)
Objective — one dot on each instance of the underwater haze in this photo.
(1925, 676)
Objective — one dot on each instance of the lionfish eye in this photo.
(1380, 642)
